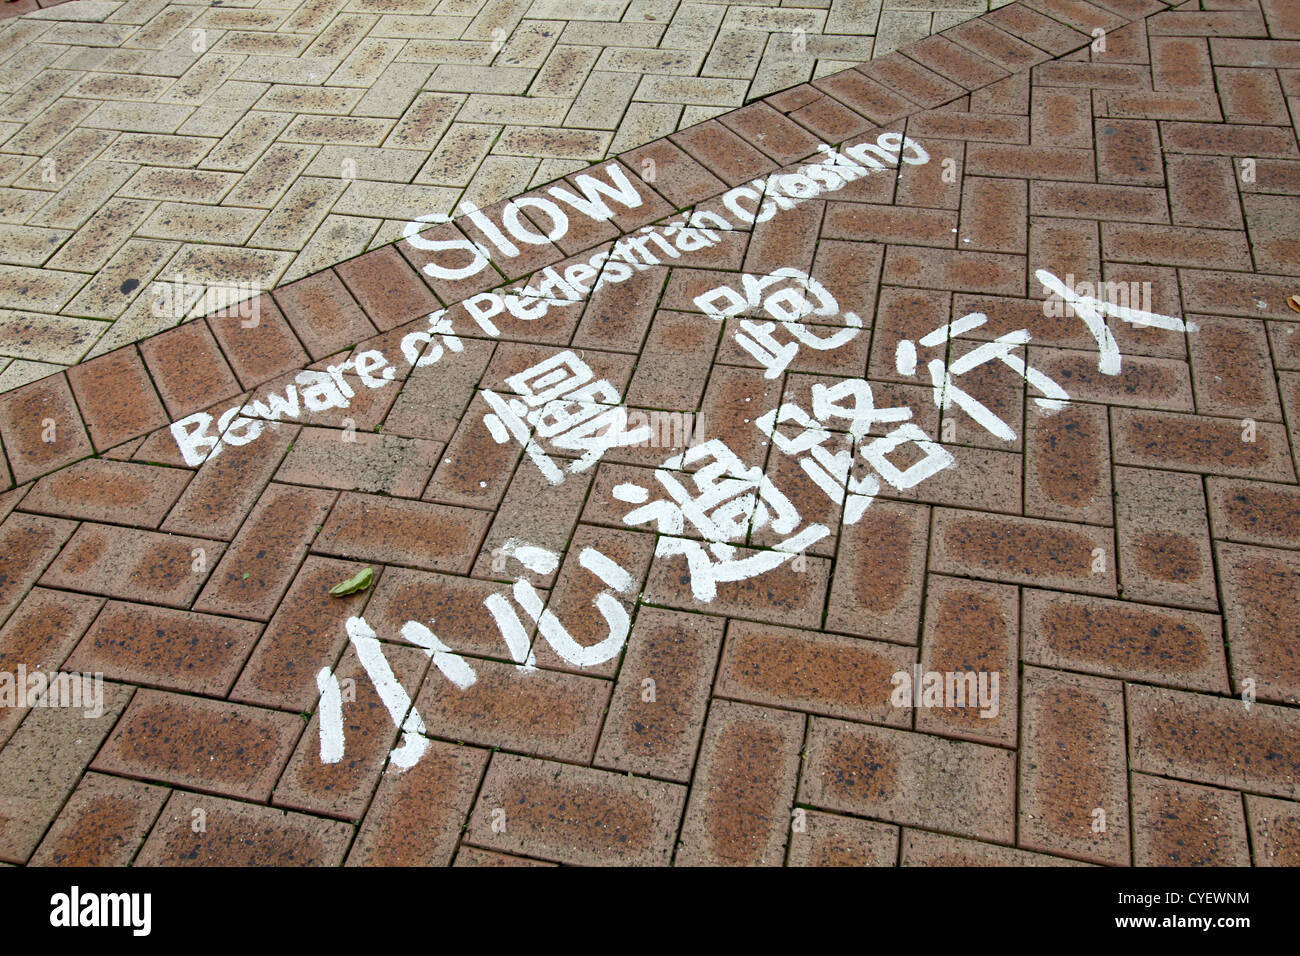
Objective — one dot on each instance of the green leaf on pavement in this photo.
(358, 582)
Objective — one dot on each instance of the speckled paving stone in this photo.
(102, 824)
(1018, 550)
(574, 814)
(538, 712)
(116, 397)
(306, 634)
(42, 761)
(1182, 824)
(204, 745)
(972, 631)
(41, 428)
(936, 849)
(1122, 563)
(740, 811)
(909, 778)
(134, 565)
(199, 830)
(1274, 825)
(226, 486)
(38, 636)
(1073, 785)
(816, 673)
(263, 557)
(434, 537)
(1214, 740)
(109, 491)
(826, 839)
(1164, 546)
(416, 815)
(177, 650)
(1122, 639)
(1254, 512)
(30, 543)
(657, 709)
(343, 788)
(1262, 595)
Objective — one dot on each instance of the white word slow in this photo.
(753, 202)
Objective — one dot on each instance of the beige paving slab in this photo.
(68, 157)
(45, 290)
(194, 222)
(123, 277)
(107, 229)
(29, 245)
(187, 185)
(295, 217)
(40, 337)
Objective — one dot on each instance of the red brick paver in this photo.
(1054, 623)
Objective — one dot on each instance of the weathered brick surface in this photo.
(656, 711)
(369, 528)
(305, 634)
(178, 650)
(876, 590)
(1273, 830)
(110, 491)
(826, 839)
(42, 762)
(416, 815)
(204, 745)
(41, 428)
(574, 814)
(240, 834)
(38, 636)
(1073, 787)
(1120, 639)
(1164, 546)
(692, 649)
(1182, 824)
(134, 565)
(343, 789)
(971, 628)
(740, 807)
(1023, 551)
(1213, 740)
(103, 823)
(909, 778)
(1261, 597)
(116, 398)
(833, 676)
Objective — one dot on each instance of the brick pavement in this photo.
(158, 157)
(1093, 526)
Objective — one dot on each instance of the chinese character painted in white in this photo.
(1093, 312)
(541, 561)
(721, 501)
(787, 295)
(947, 394)
(397, 701)
(832, 470)
(561, 403)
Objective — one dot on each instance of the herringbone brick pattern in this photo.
(156, 154)
(686, 649)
